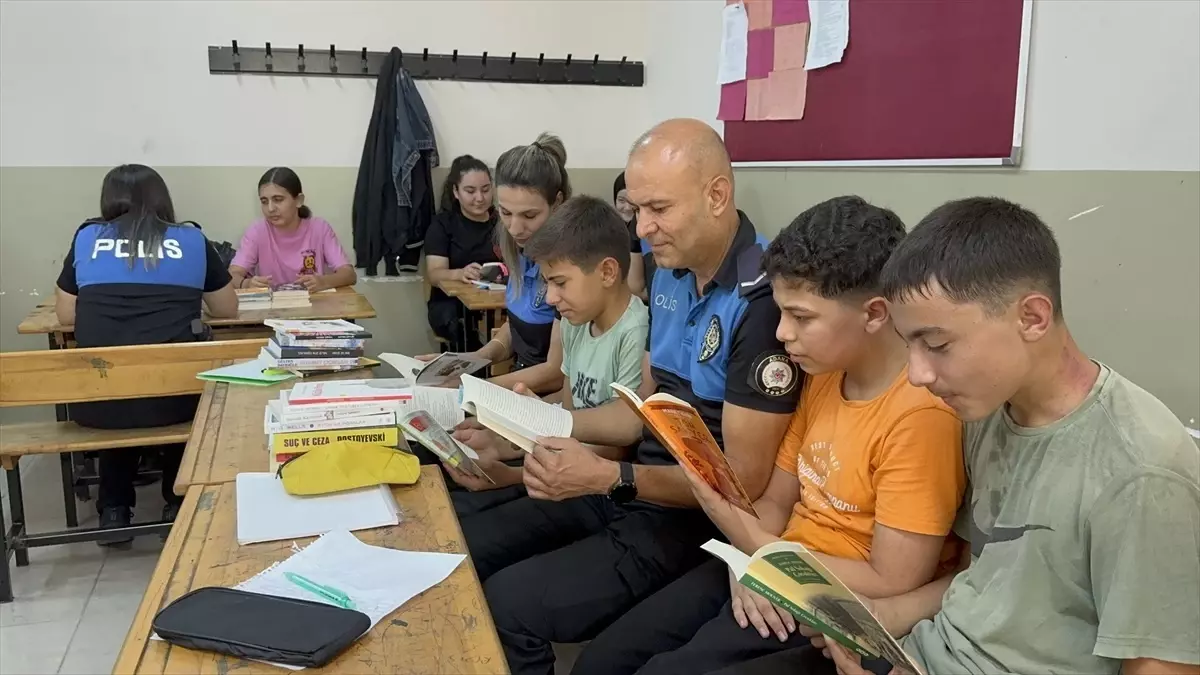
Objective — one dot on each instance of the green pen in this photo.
(328, 592)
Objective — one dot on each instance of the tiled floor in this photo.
(73, 603)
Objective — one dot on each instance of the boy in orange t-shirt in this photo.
(869, 476)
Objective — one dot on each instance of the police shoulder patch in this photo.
(713, 336)
(774, 374)
(540, 296)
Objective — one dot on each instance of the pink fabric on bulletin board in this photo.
(760, 53)
(733, 102)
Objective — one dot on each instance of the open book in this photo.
(520, 419)
(683, 433)
(441, 370)
(426, 431)
(790, 576)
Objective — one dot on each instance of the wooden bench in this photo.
(86, 375)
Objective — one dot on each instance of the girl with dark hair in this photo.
(640, 261)
(459, 241)
(289, 244)
(134, 276)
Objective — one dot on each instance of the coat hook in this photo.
(454, 63)
(621, 71)
(332, 59)
(541, 57)
(237, 58)
(567, 69)
(364, 59)
(454, 56)
(300, 58)
(595, 62)
(512, 61)
(425, 54)
(270, 58)
(485, 59)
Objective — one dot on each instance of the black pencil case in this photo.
(260, 627)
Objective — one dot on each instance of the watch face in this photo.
(623, 493)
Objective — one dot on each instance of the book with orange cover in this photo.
(681, 430)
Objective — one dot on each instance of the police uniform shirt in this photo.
(719, 346)
(530, 318)
(122, 304)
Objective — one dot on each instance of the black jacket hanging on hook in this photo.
(393, 198)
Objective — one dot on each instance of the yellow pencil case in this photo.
(347, 465)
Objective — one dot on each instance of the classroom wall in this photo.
(1110, 123)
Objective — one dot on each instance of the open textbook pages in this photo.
(520, 419)
(441, 404)
(683, 433)
(790, 576)
(426, 431)
(445, 368)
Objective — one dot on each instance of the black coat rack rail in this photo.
(334, 62)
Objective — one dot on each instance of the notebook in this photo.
(256, 372)
(266, 512)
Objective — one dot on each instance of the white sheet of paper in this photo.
(828, 34)
(266, 512)
(441, 404)
(379, 580)
(734, 26)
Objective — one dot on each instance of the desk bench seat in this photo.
(39, 438)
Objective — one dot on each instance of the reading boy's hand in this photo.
(522, 389)
(561, 468)
(752, 609)
(849, 663)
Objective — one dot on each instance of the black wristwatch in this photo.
(624, 490)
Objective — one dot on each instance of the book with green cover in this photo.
(255, 372)
(787, 574)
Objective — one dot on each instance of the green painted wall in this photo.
(1131, 276)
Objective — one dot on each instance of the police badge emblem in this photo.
(540, 296)
(774, 374)
(712, 340)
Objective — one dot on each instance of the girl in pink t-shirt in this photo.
(288, 244)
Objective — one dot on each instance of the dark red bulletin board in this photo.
(920, 80)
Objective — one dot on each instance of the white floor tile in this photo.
(33, 649)
(55, 586)
(102, 629)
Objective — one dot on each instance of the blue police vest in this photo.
(102, 258)
(529, 304)
(691, 337)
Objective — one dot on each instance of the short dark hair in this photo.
(289, 181)
(837, 247)
(583, 231)
(978, 250)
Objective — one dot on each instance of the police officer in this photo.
(595, 536)
(136, 277)
(531, 181)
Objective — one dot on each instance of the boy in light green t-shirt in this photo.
(583, 252)
(583, 257)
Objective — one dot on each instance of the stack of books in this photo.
(312, 415)
(311, 346)
(253, 298)
(287, 296)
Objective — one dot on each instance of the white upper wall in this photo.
(1113, 84)
(101, 82)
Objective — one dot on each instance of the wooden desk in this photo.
(227, 434)
(447, 629)
(344, 303)
(475, 299)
